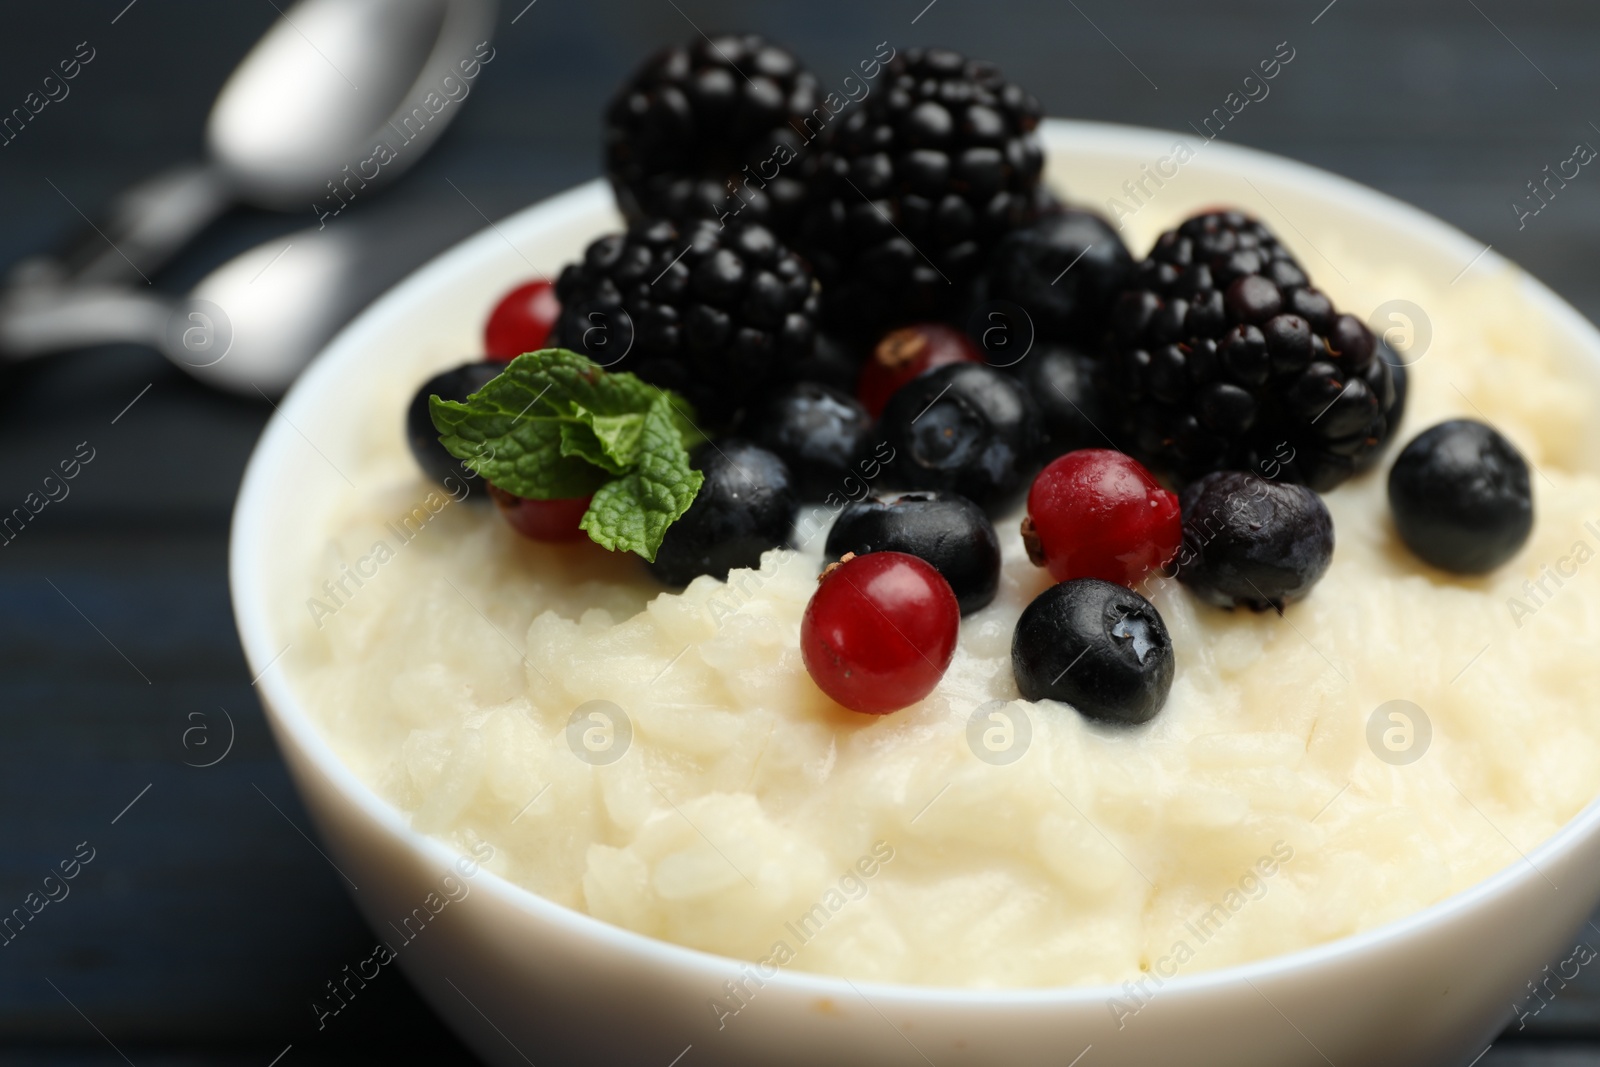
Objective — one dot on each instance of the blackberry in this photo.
(1400, 373)
(717, 314)
(1226, 358)
(916, 185)
(694, 118)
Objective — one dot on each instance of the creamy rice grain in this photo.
(447, 681)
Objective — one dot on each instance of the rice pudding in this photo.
(749, 815)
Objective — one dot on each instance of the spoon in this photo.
(293, 125)
(248, 327)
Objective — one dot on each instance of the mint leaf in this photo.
(619, 436)
(541, 428)
(633, 512)
(519, 452)
(580, 440)
(555, 425)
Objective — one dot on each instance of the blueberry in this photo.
(1065, 270)
(1095, 645)
(946, 530)
(745, 507)
(457, 383)
(1461, 497)
(817, 431)
(1065, 384)
(832, 362)
(964, 428)
(1250, 542)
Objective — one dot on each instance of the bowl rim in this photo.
(293, 722)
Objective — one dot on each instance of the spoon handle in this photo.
(39, 320)
(139, 232)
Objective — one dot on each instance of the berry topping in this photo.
(1226, 358)
(1249, 542)
(745, 507)
(542, 520)
(917, 184)
(716, 127)
(948, 531)
(818, 432)
(458, 383)
(1095, 513)
(1065, 384)
(833, 361)
(719, 315)
(521, 322)
(1401, 374)
(1098, 646)
(908, 353)
(880, 631)
(967, 429)
(1461, 497)
(1064, 270)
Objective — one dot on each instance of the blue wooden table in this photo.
(206, 921)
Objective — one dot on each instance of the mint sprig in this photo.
(555, 425)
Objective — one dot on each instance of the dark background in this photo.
(207, 921)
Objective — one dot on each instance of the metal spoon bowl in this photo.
(297, 123)
(248, 327)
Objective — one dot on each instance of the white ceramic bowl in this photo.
(526, 980)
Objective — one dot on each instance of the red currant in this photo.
(1096, 513)
(542, 520)
(880, 631)
(910, 353)
(521, 322)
